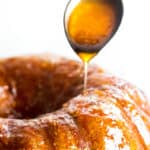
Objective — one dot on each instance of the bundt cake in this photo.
(42, 108)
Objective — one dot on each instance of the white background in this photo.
(35, 26)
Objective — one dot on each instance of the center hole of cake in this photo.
(19, 102)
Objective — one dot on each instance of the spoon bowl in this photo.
(87, 34)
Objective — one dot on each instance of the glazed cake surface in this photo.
(42, 107)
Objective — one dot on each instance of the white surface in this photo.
(33, 26)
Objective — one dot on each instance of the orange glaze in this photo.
(91, 22)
